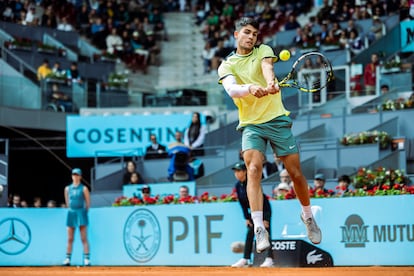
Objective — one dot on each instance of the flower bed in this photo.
(367, 137)
(367, 182)
(397, 104)
(172, 199)
(117, 81)
(19, 43)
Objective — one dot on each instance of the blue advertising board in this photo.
(358, 231)
(407, 36)
(117, 135)
(160, 188)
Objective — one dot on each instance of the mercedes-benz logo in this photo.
(15, 236)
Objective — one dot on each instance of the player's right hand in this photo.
(258, 91)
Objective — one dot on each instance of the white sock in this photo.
(257, 217)
(307, 212)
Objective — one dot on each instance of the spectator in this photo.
(355, 43)
(57, 70)
(145, 192)
(130, 168)
(376, 30)
(268, 167)
(343, 185)
(292, 23)
(178, 140)
(43, 70)
(184, 194)
(48, 18)
(51, 204)
(82, 20)
(278, 162)
(73, 73)
(77, 198)
(240, 173)
(31, 17)
(58, 100)
(114, 43)
(352, 26)
(64, 25)
(343, 40)
(155, 150)
(21, 19)
(385, 89)
(153, 49)
(141, 55)
(23, 203)
(98, 32)
(8, 14)
(285, 178)
(281, 191)
(126, 44)
(319, 186)
(179, 168)
(220, 54)
(37, 202)
(370, 74)
(155, 18)
(15, 201)
(207, 55)
(147, 26)
(197, 165)
(194, 135)
(135, 179)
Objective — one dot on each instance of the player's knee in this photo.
(254, 170)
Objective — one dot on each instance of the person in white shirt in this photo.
(64, 25)
(114, 42)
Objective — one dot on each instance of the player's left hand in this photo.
(273, 88)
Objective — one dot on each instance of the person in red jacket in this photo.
(370, 75)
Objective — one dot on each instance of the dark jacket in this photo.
(244, 202)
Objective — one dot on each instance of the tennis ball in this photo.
(284, 55)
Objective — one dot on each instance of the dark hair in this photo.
(244, 21)
(194, 128)
(344, 178)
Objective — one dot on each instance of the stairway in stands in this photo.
(181, 62)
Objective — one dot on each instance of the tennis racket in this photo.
(311, 72)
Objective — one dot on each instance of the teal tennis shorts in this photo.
(277, 132)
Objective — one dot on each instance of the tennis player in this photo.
(248, 77)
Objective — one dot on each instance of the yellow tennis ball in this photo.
(284, 55)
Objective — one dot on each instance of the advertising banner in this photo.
(118, 135)
(358, 231)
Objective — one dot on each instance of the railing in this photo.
(70, 55)
(4, 162)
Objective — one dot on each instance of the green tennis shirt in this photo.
(247, 70)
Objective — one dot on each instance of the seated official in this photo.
(155, 150)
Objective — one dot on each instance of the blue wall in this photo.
(357, 231)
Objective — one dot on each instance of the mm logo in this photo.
(142, 235)
(354, 232)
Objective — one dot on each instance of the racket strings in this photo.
(310, 73)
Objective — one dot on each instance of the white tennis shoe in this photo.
(312, 229)
(262, 239)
